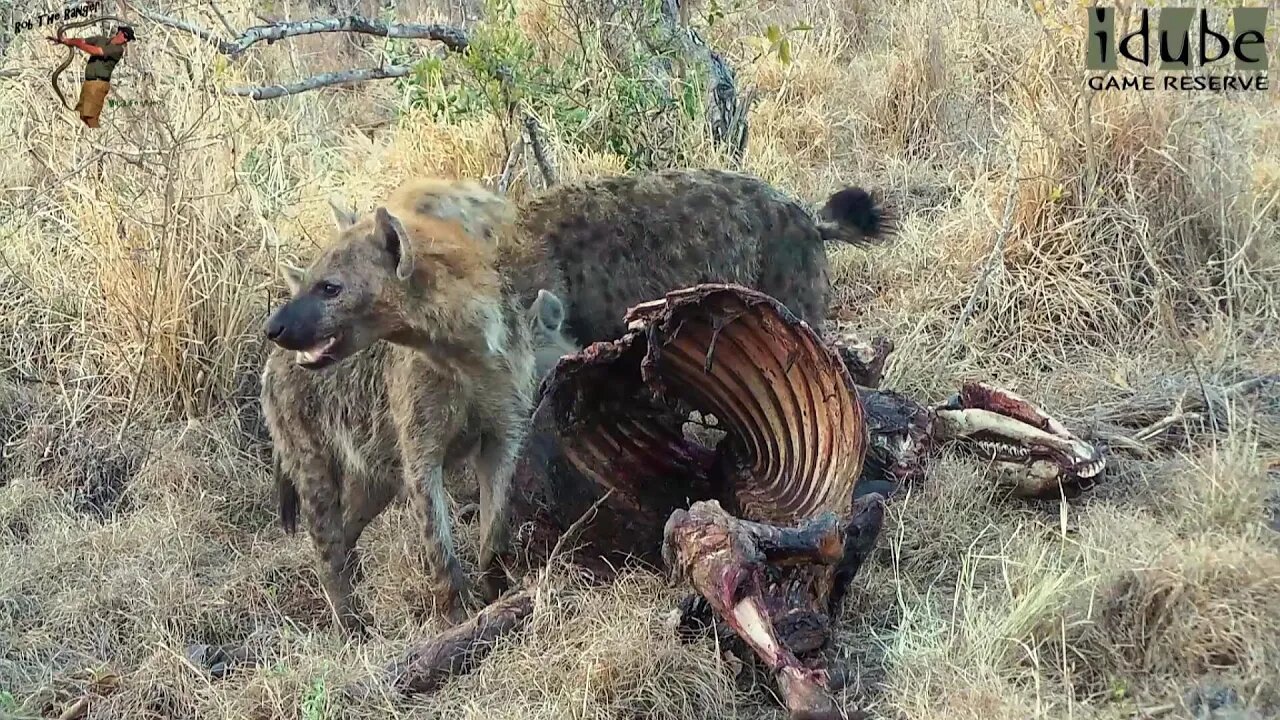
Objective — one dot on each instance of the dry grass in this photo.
(1138, 258)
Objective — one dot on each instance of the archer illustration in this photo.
(104, 51)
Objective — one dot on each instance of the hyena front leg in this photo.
(335, 541)
(494, 466)
(425, 481)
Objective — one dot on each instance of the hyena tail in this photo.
(288, 495)
(855, 216)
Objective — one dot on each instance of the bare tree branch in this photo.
(508, 170)
(453, 38)
(726, 111)
(345, 77)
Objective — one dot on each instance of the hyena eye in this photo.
(329, 289)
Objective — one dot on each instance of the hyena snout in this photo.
(300, 325)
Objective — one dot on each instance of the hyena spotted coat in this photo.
(398, 357)
(606, 244)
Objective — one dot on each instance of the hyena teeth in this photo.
(308, 356)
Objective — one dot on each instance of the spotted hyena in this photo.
(546, 319)
(400, 356)
(606, 244)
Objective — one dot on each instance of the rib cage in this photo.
(797, 428)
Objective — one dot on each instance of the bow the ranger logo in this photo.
(1233, 56)
(104, 52)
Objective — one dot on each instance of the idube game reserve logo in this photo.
(1230, 56)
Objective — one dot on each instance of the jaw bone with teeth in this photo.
(1033, 453)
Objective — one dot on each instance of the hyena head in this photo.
(546, 317)
(390, 275)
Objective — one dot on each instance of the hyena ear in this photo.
(549, 310)
(292, 277)
(391, 233)
(343, 217)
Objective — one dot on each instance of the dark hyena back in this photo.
(606, 244)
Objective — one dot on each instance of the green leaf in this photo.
(773, 33)
(784, 51)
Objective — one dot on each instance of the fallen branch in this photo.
(460, 648)
(75, 710)
(1159, 426)
(1149, 414)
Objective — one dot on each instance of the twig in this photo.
(575, 528)
(534, 131)
(213, 5)
(223, 46)
(344, 77)
(996, 254)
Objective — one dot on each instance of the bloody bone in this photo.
(741, 569)
(725, 560)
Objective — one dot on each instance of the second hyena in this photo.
(546, 319)
(603, 245)
(399, 356)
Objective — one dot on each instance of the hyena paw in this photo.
(493, 583)
(356, 624)
(455, 601)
